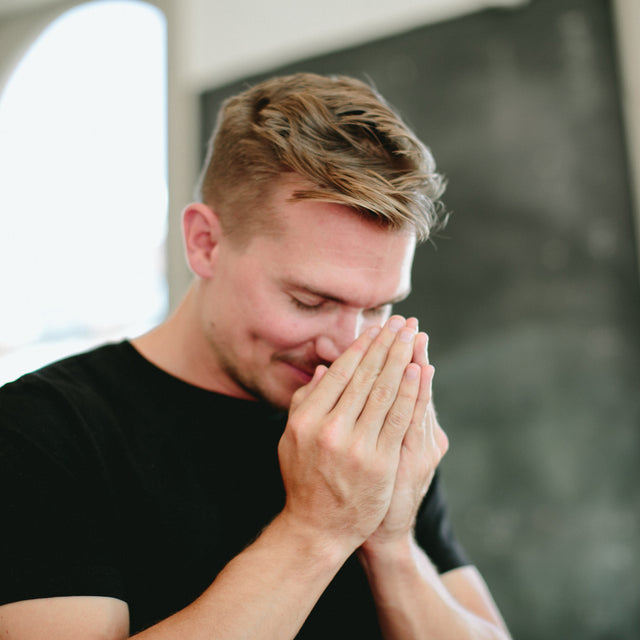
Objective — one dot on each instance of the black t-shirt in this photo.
(117, 479)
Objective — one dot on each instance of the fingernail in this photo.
(407, 335)
(395, 324)
(412, 372)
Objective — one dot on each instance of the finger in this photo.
(385, 388)
(419, 421)
(303, 392)
(322, 398)
(400, 414)
(420, 416)
(420, 353)
(357, 392)
(425, 431)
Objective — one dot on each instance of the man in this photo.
(159, 488)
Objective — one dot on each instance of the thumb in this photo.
(303, 392)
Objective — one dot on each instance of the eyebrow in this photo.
(327, 296)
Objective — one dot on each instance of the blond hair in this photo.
(336, 132)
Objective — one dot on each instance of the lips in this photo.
(301, 365)
(303, 369)
(303, 374)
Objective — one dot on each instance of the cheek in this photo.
(286, 333)
(280, 326)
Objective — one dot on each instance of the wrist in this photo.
(319, 546)
(395, 552)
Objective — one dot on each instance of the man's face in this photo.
(279, 306)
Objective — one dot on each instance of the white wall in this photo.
(231, 39)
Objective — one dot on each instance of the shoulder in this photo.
(73, 372)
(54, 402)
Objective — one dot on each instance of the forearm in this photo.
(414, 603)
(267, 591)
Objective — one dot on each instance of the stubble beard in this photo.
(252, 384)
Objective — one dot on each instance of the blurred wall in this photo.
(230, 40)
(531, 300)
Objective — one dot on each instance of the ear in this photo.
(202, 233)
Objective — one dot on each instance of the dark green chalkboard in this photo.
(531, 299)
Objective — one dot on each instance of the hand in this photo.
(424, 445)
(340, 451)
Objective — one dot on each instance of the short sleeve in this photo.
(57, 534)
(434, 532)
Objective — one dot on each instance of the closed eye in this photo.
(378, 311)
(307, 306)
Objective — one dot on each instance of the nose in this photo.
(339, 333)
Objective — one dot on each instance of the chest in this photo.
(186, 503)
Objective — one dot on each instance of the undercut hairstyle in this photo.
(335, 132)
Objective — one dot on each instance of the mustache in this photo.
(306, 363)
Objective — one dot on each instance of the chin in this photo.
(277, 385)
(285, 381)
(279, 397)
(282, 400)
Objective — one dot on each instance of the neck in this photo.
(178, 346)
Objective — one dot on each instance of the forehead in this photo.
(331, 247)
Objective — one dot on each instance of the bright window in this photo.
(83, 201)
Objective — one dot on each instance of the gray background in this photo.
(531, 299)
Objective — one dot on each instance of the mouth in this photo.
(302, 374)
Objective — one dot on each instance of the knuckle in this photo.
(383, 393)
(379, 472)
(299, 425)
(408, 397)
(329, 438)
(297, 397)
(339, 373)
(364, 375)
(291, 437)
(398, 419)
(356, 458)
(363, 462)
